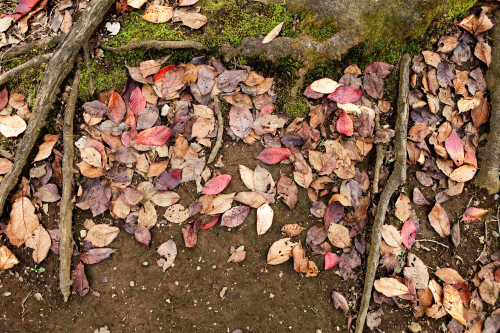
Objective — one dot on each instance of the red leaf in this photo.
(142, 235)
(80, 282)
(161, 73)
(216, 184)
(346, 95)
(137, 101)
(266, 109)
(209, 221)
(154, 136)
(333, 214)
(331, 260)
(93, 256)
(116, 108)
(454, 147)
(472, 214)
(273, 155)
(408, 233)
(26, 6)
(345, 125)
(4, 98)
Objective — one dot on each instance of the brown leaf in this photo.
(5, 166)
(288, 191)
(273, 33)
(216, 204)
(344, 167)
(240, 120)
(116, 108)
(247, 175)
(45, 149)
(169, 251)
(403, 207)
(94, 256)
(417, 272)
(102, 235)
(481, 113)
(194, 20)
(452, 303)
(40, 242)
(67, 22)
(80, 282)
(419, 132)
(483, 52)
(23, 221)
(391, 235)
(449, 275)
(299, 258)
(252, 199)
(177, 214)
(447, 44)
(235, 216)
(373, 318)
(89, 171)
(156, 168)
(324, 86)
(489, 291)
(476, 25)
(165, 198)
(468, 103)
(265, 216)
(158, 14)
(292, 229)
(432, 58)
(463, 173)
(338, 235)
(280, 251)
(147, 215)
(439, 220)
(7, 258)
(390, 287)
(339, 301)
(264, 183)
(12, 126)
(237, 256)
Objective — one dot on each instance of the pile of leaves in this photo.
(156, 12)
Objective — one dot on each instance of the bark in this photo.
(489, 155)
(66, 214)
(156, 44)
(56, 71)
(36, 61)
(397, 177)
(39, 44)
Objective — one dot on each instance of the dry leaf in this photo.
(391, 235)
(40, 242)
(325, 86)
(338, 235)
(194, 20)
(158, 14)
(449, 275)
(452, 303)
(7, 258)
(177, 213)
(439, 221)
(489, 291)
(390, 287)
(483, 52)
(45, 149)
(147, 215)
(237, 256)
(403, 207)
(280, 251)
(23, 221)
(252, 199)
(169, 251)
(216, 204)
(12, 126)
(265, 216)
(101, 235)
(5, 166)
(463, 173)
(292, 229)
(273, 33)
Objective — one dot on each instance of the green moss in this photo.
(294, 106)
(458, 8)
(26, 83)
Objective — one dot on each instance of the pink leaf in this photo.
(26, 6)
(210, 222)
(154, 136)
(345, 125)
(454, 147)
(137, 101)
(408, 233)
(273, 155)
(266, 109)
(116, 108)
(216, 184)
(331, 260)
(346, 95)
(473, 214)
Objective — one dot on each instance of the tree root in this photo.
(302, 49)
(397, 177)
(379, 159)
(489, 155)
(156, 44)
(39, 44)
(4, 78)
(55, 73)
(66, 214)
(88, 59)
(220, 132)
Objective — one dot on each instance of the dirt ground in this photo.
(130, 293)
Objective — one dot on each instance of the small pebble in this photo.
(223, 292)
(105, 279)
(271, 295)
(83, 233)
(132, 283)
(38, 296)
(198, 268)
(145, 263)
(214, 267)
(7, 293)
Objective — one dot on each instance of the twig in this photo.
(156, 44)
(220, 132)
(6, 154)
(65, 225)
(55, 73)
(433, 241)
(24, 301)
(24, 67)
(485, 239)
(86, 54)
(397, 177)
(379, 159)
(22, 49)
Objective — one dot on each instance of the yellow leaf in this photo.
(452, 304)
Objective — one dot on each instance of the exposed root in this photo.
(156, 44)
(220, 132)
(36, 61)
(397, 177)
(39, 44)
(379, 159)
(432, 241)
(55, 73)
(489, 155)
(88, 59)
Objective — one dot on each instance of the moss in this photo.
(294, 106)
(458, 8)
(26, 83)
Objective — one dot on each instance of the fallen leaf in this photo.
(240, 120)
(449, 275)
(481, 113)
(439, 220)
(476, 25)
(331, 260)
(431, 58)
(463, 173)
(194, 20)
(288, 190)
(48, 193)
(339, 301)
(468, 103)
(142, 235)
(345, 124)
(417, 272)
(155, 136)
(158, 14)
(492, 323)
(216, 184)
(454, 147)
(80, 282)
(216, 204)
(391, 235)
(345, 95)
(333, 214)
(324, 86)
(169, 180)
(7, 258)
(292, 229)
(155, 169)
(177, 213)
(373, 85)
(473, 214)
(300, 262)
(489, 291)
(165, 198)
(447, 44)
(116, 108)
(169, 251)
(452, 303)
(101, 235)
(183, 3)
(93, 256)
(137, 101)
(273, 33)
(237, 256)
(23, 221)
(408, 233)
(45, 149)
(403, 207)
(374, 318)
(280, 251)
(235, 216)
(264, 184)
(265, 216)
(390, 287)
(136, 3)
(12, 126)
(273, 155)
(338, 235)
(382, 69)
(252, 199)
